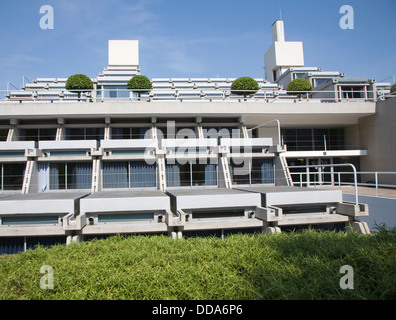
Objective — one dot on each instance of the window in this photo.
(313, 139)
(320, 81)
(218, 132)
(191, 175)
(37, 134)
(114, 92)
(11, 176)
(130, 133)
(129, 174)
(3, 134)
(352, 92)
(299, 75)
(66, 176)
(85, 134)
(16, 220)
(252, 171)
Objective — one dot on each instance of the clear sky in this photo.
(201, 38)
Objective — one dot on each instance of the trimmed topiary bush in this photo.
(299, 86)
(79, 83)
(244, 83)
(139, 83)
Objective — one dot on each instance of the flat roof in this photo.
(45, 196)
(125, 201)
(273, 189)
(204, 192)
(41, 203)
(126, 194)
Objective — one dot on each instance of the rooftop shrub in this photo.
(299, 86)
(79, 83)
(140, 84)
(244, 86)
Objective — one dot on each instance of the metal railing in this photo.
(324, 178)
(355, 180)
(210, 95)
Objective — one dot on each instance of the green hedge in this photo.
(303, 265)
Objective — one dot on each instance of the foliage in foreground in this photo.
(286, 266)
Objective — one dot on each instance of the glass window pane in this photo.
(262, 171)
(142, 175)
(185, 175)
(198, 174)
(75, 134)
(240, 172)
(13, 174)
(115, 175)
(94, 134)
(79, 175)
(3, 134)
(57, 176)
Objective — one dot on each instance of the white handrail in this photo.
(332, 166)
(267, 95)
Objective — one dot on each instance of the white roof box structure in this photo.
(282, 54)
(123, 52)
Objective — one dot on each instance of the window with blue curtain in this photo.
(71, 175)
(115, 174)
(191, 175)
(57, 176)
(142, 175)
(261, 172)
(210, 174)
(128, 174)
(79, 175)
(172, 175)
(266, 168)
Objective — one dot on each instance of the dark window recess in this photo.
(218, 214)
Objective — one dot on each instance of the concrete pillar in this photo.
(360, 227)
(74, 238)
(271, 230)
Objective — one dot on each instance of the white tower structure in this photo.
(282, 54)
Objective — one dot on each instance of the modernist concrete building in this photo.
(189, 155)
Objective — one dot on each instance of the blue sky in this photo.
(202, 38)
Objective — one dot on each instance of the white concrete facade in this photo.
(282, 54)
